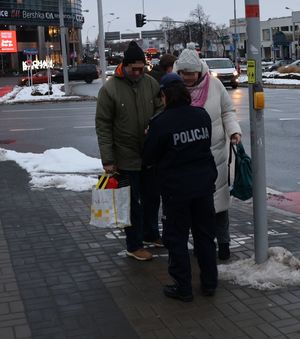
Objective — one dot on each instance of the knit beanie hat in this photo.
(133, 53)
(189, 60)
(169, 80)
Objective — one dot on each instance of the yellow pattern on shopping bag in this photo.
(101, 213)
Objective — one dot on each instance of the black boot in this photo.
(172, 291)
(208, 292)
(224, 251)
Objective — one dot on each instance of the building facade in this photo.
(280, 37)
(37, 29)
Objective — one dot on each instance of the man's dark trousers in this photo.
(141, 196)
(134, 233)
(198, 213)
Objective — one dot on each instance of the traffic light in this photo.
(140, 20)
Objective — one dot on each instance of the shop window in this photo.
(266, 35)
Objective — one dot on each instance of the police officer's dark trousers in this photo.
(151, 203)
(179, 217)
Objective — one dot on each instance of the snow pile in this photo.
(280, 270)
(24, 94)
(65, 168)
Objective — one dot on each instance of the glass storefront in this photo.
(36, 24)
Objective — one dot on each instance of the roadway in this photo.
(41, 126)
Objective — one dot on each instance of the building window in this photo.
(284, 28)
(266, 35)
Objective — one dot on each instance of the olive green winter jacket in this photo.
(123, 112)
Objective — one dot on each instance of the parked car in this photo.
(110, 70)
(155, 61)
(277, 64)
(223, 69)
(86, 72)
(295, 63)
(40, 77)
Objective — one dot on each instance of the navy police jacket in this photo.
(178, 145)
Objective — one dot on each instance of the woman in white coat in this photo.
(208, 92)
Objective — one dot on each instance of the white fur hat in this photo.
(189, 60)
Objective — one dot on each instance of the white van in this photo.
(223, 69)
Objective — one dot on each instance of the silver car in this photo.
(110, 70)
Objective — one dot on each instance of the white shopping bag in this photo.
(110, 207)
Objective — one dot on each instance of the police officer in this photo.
(178, 145)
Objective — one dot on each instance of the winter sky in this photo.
(219, 12)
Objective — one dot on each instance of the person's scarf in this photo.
(199, 92)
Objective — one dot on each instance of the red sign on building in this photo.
(8, 42)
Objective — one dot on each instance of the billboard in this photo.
(153, 34)
(8, 42)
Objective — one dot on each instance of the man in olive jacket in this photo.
(126, 102)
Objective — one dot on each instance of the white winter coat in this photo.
(224, 124)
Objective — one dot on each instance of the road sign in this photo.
(251, 71)
(30, 51)
(112, 35)
(130, 36)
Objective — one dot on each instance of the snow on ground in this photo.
(69, 169)
(244, 79)
(23, 94)
(65, 168)
(281, 269)
(281, 81)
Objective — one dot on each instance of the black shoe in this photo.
(208, 292)
(172, 291)
(224, 251)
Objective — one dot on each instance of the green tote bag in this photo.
(242, 183)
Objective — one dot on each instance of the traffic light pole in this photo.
(256, 105)
(141, 20)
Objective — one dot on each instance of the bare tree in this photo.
(201, 26)
(168, 26)
(222, 37)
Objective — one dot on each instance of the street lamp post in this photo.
(87, 34)
(235, 37)
(109, 22)
(101, 43)
(63, 47)
(73, 36)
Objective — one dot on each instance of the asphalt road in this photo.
(38, 127)
(282, 132)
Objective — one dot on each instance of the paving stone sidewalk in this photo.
(61, 278)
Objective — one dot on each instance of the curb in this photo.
(80, 98)
(245, 84)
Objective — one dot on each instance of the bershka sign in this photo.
(38, 16)
(8, 42)
(3, 13)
